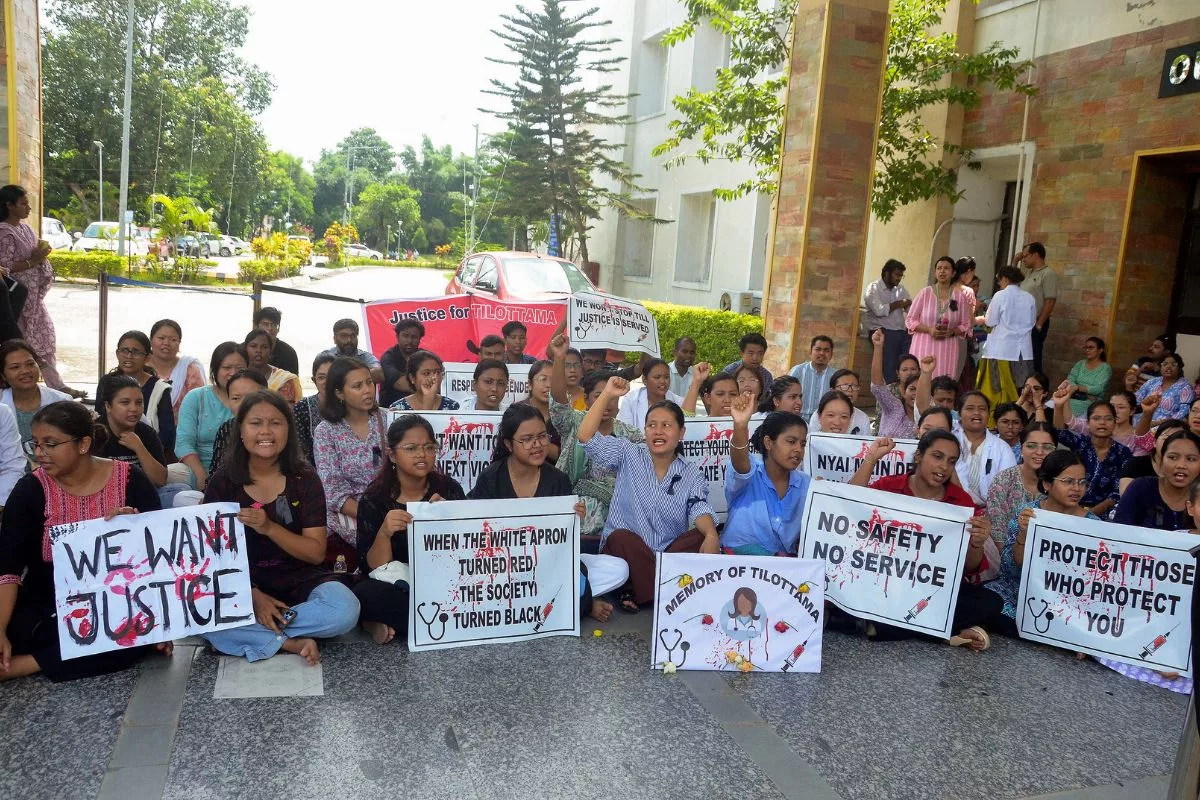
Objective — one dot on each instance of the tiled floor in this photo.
(587, 718)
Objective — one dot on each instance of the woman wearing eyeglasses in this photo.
(133, 348)
(350, 447)
(1103, 457)
(70, 484)
(383, 519)
(1017, 486)
(425, 371)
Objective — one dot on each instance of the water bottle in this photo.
(339, 566)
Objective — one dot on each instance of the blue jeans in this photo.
(166, 494)
(330, 610)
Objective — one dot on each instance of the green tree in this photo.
(437, 175)
(287, 187)
(382, 205)
(742, 117)
(175, 216)
(419, 240)
(194, 101)
(554, 162)
(362, 158)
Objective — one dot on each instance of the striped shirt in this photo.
(813, 384)
(659, 511)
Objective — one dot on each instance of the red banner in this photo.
(453, 321)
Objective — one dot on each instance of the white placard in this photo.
(1112, 591)
(888, 557)
(706, 442)
(466, 441)
(598, 321)
(490, 571)
(456, 384)
(837, 456)
(147, 578)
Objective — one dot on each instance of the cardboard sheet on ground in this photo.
(465, 440)
(453, 321)
(1112, 591)
(457, 382)
(837, 456)
(737, 613)
(888, 557)
(602, 321)
(490, 571)
(706, 442)
(149, 578)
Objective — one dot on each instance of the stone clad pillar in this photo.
(21, 101)
(823, 206)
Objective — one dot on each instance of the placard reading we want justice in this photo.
(837, 456)
(487, 571)
(147, 578)
(888, 557)
(1112, 591)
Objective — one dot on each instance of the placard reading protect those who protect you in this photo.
(490, 571)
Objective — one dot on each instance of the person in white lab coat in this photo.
(984, 454)
(1008, 354)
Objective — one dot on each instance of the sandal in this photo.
(978, 645)
(629, 603)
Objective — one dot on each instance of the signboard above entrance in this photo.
(1181, 71)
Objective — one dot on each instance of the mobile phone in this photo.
(289, 615)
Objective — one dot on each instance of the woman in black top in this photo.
(520, 468)
(239, 385)
(383, 519)
(71, 484)
(1146, 466)
(1161, 502)
(283, 508)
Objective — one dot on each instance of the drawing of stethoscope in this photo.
(439, 616)
(1042, 618)
(679, 644)
(583, 329)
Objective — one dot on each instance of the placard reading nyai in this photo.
(837, 456)
(488, 571)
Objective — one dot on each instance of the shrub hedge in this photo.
(264, 270)
(86, 265)
(716, 332)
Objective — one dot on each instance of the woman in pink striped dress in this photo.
(940, 319)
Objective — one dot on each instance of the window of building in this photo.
(710, 52)
(635, 241)
(651, 78)
(696, 234)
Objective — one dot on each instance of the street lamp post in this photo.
(100, 146)
(124, 202)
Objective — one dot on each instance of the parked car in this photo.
(54, 232)
(231, 246)
(518, 276)
(103, 236)
(187, 246)
(358, 250)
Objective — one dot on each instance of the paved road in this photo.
(208, 319)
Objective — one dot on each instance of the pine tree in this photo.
(554, 162)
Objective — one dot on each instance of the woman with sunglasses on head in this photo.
(203, 413)
(1017, 486)
(1103, 458)
(411, 476)
(133, 348)
(425, 372)
(308, 411)
(1161, 502)
(350, 446)
(931, 479)
(283, 509)
(71, 484)
(660, 503)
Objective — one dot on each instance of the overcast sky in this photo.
(402, 67)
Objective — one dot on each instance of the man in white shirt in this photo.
(1011, 315)
(814, 374)
(682, 371)
(887, 301)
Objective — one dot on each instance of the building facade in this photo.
(1100, 166)
(21, 95)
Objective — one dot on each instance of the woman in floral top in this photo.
(896, 417)
(1104, 458)
(350, 446)
(1017, 486)
(1175, 390)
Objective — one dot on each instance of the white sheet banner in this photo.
(148, 578)
(888, 557)
(1112, 591)
(706, 443)
(603, 321)
(737, 613)
(456, 384)
(488, 571)
(466, 440)
(837, 456)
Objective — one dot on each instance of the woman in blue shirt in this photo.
(765, 492)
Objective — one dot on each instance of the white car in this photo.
(103, 236)
(54, 232)
(236, 246)
(356, 250)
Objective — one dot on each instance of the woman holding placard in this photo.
(933, 465)
(661, 501)
(283, 509)
(383, 519)
(765, 492)
(1017, 486)
(425, 371)
(70, 484)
